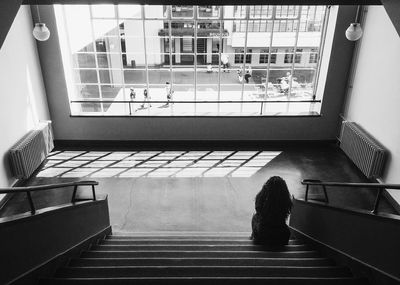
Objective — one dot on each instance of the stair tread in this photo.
(165, 253)
(217, 267)
(219, 280)
(209, 271)
(187, 242)
(215, 238)
(208, 247)
(197, 251)
(228, 258)
(199, 261)
(204, 277)
(178, 236)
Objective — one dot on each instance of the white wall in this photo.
(22, 96)
(374, 102)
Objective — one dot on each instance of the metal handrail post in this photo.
(33, 210)
(306, 197)
(94, 193)
(325, 193)
(377, 200)
(74, 194)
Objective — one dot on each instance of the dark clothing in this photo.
(246, 77)
(273, 205)
(267, 232)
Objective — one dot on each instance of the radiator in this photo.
(368, 154)
(31, 150)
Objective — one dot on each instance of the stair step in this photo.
(206, 271)
(194, 254)
(184, 242)
(202, 281)
(208, 247)
(200, 262)
(198, 236)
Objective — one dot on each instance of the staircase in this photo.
(201, 259)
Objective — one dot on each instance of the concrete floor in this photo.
(210, 204)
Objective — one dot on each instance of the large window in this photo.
(141, 60)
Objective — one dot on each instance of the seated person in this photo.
(273, 205)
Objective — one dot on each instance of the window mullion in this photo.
(195, 56)
(320, 49)
(116, 10)
(244, 57)
(145, 56)
(269, 59)
(294, 55)
(219, 54)
(171, 77)
(70, 57)
(96, 61)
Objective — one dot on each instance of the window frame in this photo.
(243, 57)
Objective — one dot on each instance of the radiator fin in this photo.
(368, 154)
(31, 150)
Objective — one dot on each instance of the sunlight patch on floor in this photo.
(156, 163)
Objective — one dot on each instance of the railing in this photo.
(149, 102)
(30, 189)
(378, 186)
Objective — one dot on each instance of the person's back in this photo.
(273, 205)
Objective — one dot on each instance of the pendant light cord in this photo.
(37, 9)
(358, 14)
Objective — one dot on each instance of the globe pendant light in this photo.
(40, 31)
(354, 31)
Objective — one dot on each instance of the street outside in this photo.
(230, 90)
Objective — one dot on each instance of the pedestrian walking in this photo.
(146, 98)
(132, 96)
(240, 74)
(247, 75)
(225, 62)
(169, 92)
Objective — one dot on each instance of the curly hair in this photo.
(273, 202)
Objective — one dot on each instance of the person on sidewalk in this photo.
(132, 96)
(146, 99)
(169, 92)
(225, 62)
(248, 73)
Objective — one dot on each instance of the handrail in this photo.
(378, 186)
(46, 186)
(356, 185)
(36, 188)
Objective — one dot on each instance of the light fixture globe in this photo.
(354, 32)
(41, 32)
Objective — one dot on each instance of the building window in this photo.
(261, 12)
(297, 58)
(264, 54)
(274, 52)
(287, 12)
(313, 55)
(288, 56)
(239, 55)
(109, 50)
